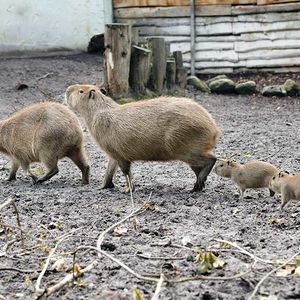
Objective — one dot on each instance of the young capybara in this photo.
(43, 132)
(161, 129)
(287, 185)
(251, 175)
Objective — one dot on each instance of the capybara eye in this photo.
(221, 165)
(273, 177)
(81, 91)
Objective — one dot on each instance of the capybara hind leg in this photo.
(109, 174)
(52, 169)
(197, 186)
(79, 158)
(13, 171)
(125, 168)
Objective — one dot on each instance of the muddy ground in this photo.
(253, 127)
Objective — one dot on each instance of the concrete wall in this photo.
(39, 25)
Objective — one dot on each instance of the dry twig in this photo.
(158, 287)
(270, 273)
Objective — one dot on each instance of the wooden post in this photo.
(171, 74)
(117, 58)
(135, 36)
(159, 61)
(139, 69)
(181, 72)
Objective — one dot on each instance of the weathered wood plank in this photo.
(147, 3)
(266, 2)
(268, 54)
(270, 35)
(268, 17)
(171, 12)
(280, 62)
(244, 27)
(253, 9)
(242, 46)
(213, 55)
(186, 47)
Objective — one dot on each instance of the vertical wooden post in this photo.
(181, 72)
(171, 74)
(139, 69)
(117, 58)
(159, 60)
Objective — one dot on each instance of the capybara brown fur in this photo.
(251, 175)
(43, 132)
(288, 185)
(160, 129)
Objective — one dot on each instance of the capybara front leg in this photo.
(272, 193)
(25, 167)
(109, 174)
(210, 162)
(79, 158)
(197, 186)
(13, 171)
(125, 167)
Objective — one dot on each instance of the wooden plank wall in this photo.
(228, 38)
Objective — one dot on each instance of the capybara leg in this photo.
(284, 200)
(13, 171)
(79, 158)
(109, 174)
(125, 168)
(272, 193)
(241, 192)
(52, 169)
(25, 167)
(197, 187)
(209, 164)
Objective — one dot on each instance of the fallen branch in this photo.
(159, 257)
(6, 203)
(17, 270)
(244, 251)
(62, 238)
(158, 287)
(270, 273)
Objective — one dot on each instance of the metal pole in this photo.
(192, 37)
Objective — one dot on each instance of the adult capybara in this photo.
(160, 129)
(43, 132)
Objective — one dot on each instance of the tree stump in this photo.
(117, 58)
(139, 69)
(159, 61)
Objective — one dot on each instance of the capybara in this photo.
(160, 129)
(287, 185)
(43, 132)
(251, 175)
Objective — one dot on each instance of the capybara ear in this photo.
(103, 90)
(92, 94)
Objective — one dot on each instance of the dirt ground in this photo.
(253, 127)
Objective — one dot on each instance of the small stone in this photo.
(291, 87)
(244, 88)
(216, 78)
(222, 86)
(198, 84)
(274, 90)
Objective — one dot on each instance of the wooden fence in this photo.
(231, 35)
